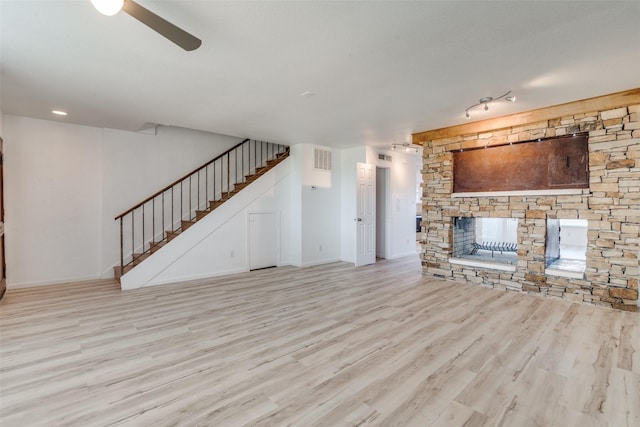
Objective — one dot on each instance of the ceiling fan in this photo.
(160, 25)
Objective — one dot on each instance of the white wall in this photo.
(320, 225)
(320, 205)
(53, 186)
(65, 184)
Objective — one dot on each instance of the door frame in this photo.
(366, 259)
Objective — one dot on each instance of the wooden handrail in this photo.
(177, 181)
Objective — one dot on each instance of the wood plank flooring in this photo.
(323, 346)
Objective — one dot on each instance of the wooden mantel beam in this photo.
(599, 103)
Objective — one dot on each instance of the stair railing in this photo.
(147, 224)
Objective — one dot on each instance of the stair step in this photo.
(187, 224)
(201, 214)
(172, 235)
(239, 186)
(273, 162)
(154, 246)
(215, 203)
(138, 258)
(119, 272)
(251, 178)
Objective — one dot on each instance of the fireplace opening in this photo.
(491, 240)
(566, 247)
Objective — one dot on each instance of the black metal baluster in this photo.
(121, 247)
(163, 229)
(142, 251)
(133, 236)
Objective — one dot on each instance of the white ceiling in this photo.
(379, 71)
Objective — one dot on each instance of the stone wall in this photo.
(611, 205)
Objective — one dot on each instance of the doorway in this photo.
(264, 239)
(382, 214)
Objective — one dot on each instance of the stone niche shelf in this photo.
(483, 264)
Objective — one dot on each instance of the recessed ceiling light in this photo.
(307, 94)
(108, 7)
(59, 112)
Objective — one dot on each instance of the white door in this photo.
(264, 245)
(366, 215)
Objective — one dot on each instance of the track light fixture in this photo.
(407, 147)
(487, 99)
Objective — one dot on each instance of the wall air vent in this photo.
(385, 157)
(321, 159)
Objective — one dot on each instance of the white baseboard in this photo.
(402, 255)
(74, 280)
(320, 262)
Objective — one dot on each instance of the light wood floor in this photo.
(321, 346)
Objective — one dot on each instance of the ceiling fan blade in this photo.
(162, 26)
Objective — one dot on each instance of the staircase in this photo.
(160, 218)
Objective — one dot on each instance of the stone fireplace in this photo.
(610, 205)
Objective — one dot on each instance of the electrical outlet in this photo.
(233, 254)
(320, 248)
